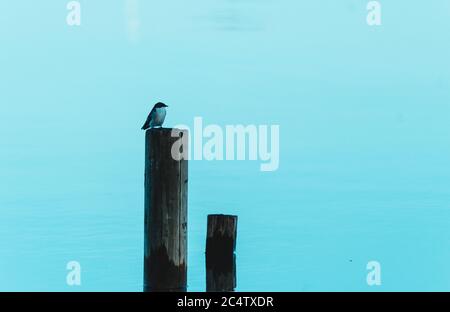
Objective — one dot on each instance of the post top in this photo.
(164, 129)
(221, 216)
(166, 132)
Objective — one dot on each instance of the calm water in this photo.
(363, 113)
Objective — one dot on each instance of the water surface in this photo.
(363, 112)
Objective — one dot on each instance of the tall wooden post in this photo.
(220, 253)
(166, 189)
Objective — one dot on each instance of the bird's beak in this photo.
(166, 105)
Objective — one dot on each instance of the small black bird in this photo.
(156, 116)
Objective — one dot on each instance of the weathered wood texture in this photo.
(220, 253)
(166, 189)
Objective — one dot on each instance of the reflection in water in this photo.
(133, 22)
(232, 19)
(230, 15)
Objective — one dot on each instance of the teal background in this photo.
(364, 120)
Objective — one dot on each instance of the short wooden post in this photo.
(220, 253)
(166, 188)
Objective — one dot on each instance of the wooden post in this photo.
(166, 188)
(220, 253)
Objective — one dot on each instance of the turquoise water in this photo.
(364, 148)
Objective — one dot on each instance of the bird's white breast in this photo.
(159, 116)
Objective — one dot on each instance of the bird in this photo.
(156, 116)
